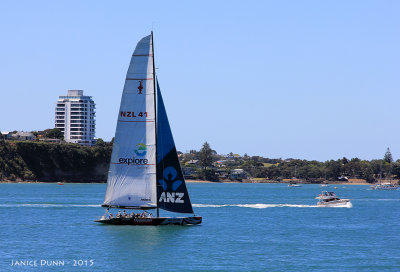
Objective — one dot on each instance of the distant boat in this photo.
(330, 199)
(292, 182)
(384, 186)
(324, 185)
(60, 183)
(144, 170)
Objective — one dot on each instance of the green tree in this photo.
(333, 168)
(396, 169)
(209, 174)
(353, 168)
(53, 133)
(100, 142)
(206, 156)
(388, 156)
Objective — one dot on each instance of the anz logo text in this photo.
(173, 197)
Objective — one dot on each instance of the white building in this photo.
(75, 117)
(23, 136)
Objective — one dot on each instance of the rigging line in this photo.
(155, 113)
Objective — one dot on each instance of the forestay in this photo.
(131, 179)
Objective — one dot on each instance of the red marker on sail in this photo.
(140, 88)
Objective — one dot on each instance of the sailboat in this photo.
(384, 185)
(144, 170)
(292, 182)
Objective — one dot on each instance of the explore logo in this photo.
(132, 160)
(169, 175)
(141, 150)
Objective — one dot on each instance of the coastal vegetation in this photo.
(52, 162)
(207, 164)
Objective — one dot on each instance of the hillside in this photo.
(49, 162)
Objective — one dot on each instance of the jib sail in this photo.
(172, 194)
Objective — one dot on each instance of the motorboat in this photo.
(330, 199)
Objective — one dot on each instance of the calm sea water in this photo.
(246, 227)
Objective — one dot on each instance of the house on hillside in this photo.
(238, 174)
(189, 172)
(219, 164)
(222, 173)
(5, 135)
(192, 163)
(23, 136)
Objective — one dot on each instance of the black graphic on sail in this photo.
(172, 194)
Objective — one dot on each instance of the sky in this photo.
(315, 80)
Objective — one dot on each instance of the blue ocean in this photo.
(246, 227)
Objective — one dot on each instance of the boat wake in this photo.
(253, 206)
(379, 199)
(265, 206)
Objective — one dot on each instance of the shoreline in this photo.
(191, 181)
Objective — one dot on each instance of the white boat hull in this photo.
(336, 203)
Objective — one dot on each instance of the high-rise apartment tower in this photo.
(75, 117)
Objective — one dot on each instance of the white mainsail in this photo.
(131, 179)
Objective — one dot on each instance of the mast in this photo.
(155, 111)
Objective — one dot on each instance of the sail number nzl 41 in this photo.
(131, 114)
